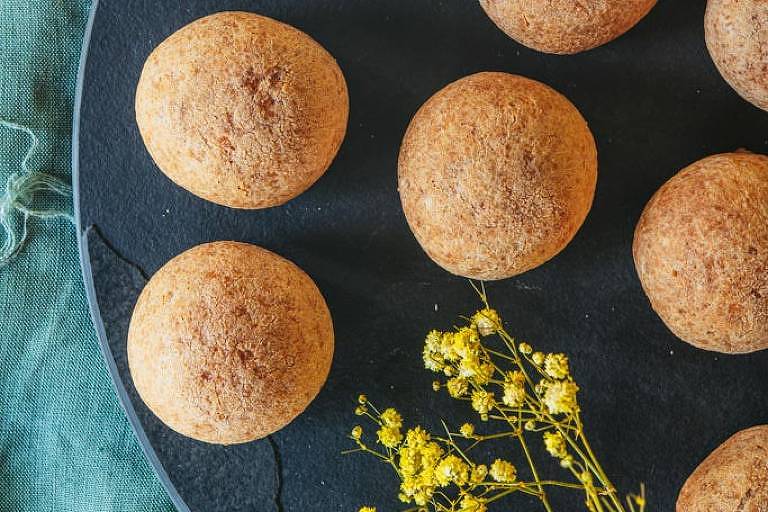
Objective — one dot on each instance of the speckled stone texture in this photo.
(734, 478)
(229, 342)
(566, 26)
(701, 251)
(242, 110)
(737, 39)
(497, 173)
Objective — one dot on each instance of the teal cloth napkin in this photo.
(65, 444)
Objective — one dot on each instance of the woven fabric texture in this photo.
(65, 444)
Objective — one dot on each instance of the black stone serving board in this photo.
(654, 406)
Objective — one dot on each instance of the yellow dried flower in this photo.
(560, 397)
(367, 509)
(428, 466)
(514, 389)
(513, 395)
(422, 497)
(555, 444)
(362, 399)
(471, 503)
(430, 454)
(457, 387)
(409, 488)
(487, 321)
(418, 457)
(483, 401)
(503, 471)
(447, 347)
(432, 354)
(392, 418)
(390, 436)
(479, 473)
(410, 461)
(433, 339)
(472, 367)
(466, 342)
(417, 437)
(414, 489)
(433, 360)
(469, 365)
(556, 366)
(451, 470)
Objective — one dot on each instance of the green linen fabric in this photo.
(65, 444)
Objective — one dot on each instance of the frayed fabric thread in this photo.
(20, 189)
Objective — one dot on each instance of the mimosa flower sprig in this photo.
(531, 397)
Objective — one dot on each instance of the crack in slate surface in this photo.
(278, 474)
(93, 229)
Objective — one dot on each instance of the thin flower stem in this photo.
(562, 484)
(548, 483)
(500, 495)
(499, 354)
(497, 436)
(591, 497)
(534, 472)
(600, 472)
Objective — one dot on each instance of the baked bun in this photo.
(734, 478)
(566, 26)
(701, 252)
(229, 343)
(736, 33)
(242, 110)
(496, 174)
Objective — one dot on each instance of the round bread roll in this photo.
(566, 26)
(229, 343)
(737, 38)
(242, 110)
(701, 252)
(496, 174)
(734, 478)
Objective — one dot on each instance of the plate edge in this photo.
(90, 291)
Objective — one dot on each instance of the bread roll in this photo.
(229, 342)
(242, 110)
(701, 252)
(496, 173)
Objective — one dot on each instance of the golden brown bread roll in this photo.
(737, 38)
(734, 478)
(701, 252)
(566, 26)
(229, 342)
(496, 174)
(242, 110)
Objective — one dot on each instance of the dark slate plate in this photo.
(654, 406)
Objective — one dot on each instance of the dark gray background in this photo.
(653, 405)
